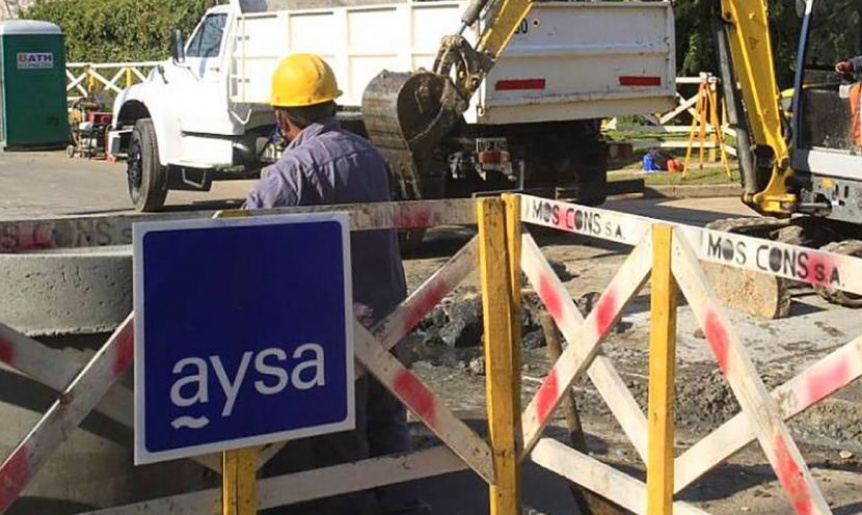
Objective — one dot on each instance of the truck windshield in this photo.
(828, 100)
(207, 40)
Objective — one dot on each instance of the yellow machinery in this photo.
(804, 169)
(810, 166)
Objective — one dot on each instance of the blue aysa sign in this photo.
(243, 331)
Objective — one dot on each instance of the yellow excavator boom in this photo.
(746, 26)
(506, 16)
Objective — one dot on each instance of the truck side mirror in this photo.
(178, 50)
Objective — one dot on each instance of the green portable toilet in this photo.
(33, 110)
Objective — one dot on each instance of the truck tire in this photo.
(147, 178)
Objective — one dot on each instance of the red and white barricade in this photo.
(93, 386)
(666, 254)
(671, 254)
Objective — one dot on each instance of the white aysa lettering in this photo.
(271, 374)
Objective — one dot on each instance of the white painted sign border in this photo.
(139, 230)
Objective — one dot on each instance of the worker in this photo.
(326, 164)
(848, 67)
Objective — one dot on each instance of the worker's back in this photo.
(329, 165)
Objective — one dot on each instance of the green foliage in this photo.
(118, 30)
(695, 41)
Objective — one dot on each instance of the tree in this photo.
(695, 40)
(118, 30)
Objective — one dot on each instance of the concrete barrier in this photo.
(66, 292)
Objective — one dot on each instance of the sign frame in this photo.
(142, 455)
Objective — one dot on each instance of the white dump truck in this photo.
(533, 124)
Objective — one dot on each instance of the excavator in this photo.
(800, 171)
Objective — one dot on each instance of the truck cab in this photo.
(178, 130)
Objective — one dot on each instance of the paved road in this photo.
(43, 183)
(35, 184)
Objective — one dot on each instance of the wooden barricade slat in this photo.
(817, 268)
(752, 395)
(827, 376)
(599, 477)
(405, 317)
(55, 369)
(501, 321)
(602, 373)
(411, 391)
(67, 413)
(65, 232)
(577, 357)
(239, 490)
(309, 485)
(662, 372)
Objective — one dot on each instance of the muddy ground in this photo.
(36, 184)
(445, 352)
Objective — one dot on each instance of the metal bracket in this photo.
(470, 66)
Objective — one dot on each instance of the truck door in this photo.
(205, 102)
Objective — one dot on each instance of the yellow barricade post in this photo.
(501, 329)
(662, 369)
(239, 484)
(513, 244)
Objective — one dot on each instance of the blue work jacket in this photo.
(327, 164)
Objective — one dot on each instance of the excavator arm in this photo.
(407, 115)
(470, 66)
(746, 62)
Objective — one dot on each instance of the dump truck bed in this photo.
(567, 61)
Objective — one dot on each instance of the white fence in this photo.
(89, 79)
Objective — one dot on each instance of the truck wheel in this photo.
(147, 178)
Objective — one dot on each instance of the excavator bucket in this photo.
(407, 116)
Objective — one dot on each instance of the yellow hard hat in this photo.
(303, 80)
